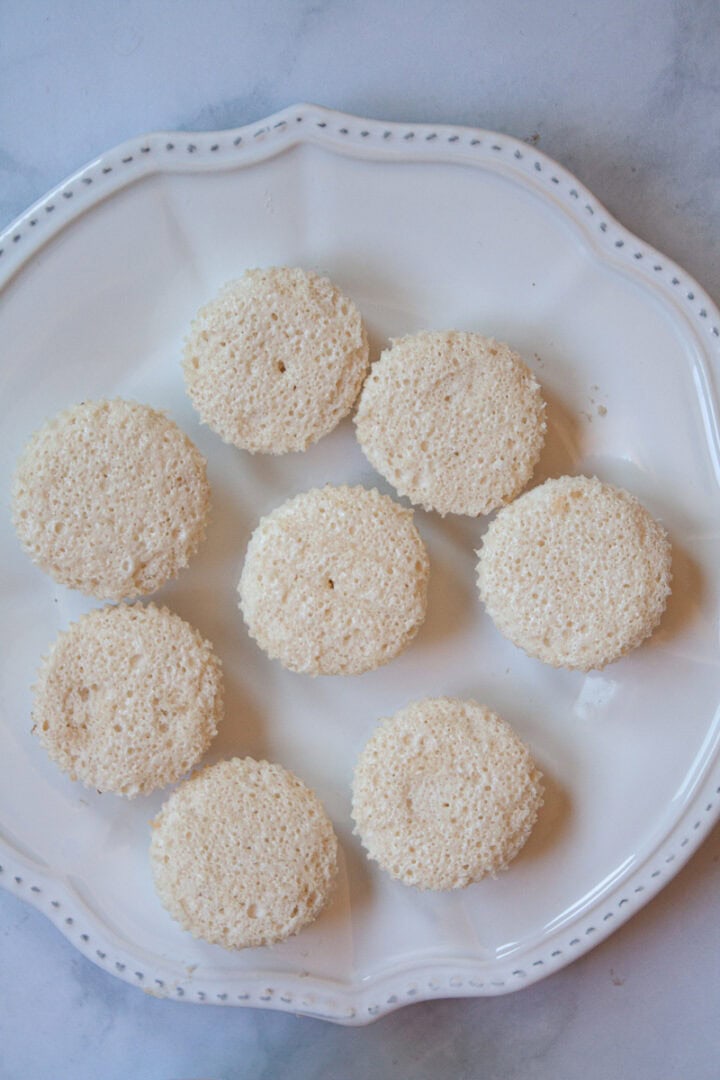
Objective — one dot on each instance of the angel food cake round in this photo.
(454, 421)
(444, 794)
(111, 498)
(243, 854)
(575, 572)
(335, 581)
(128, 699)
(276, 360)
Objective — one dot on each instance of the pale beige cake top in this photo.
(444, 793)
(128, 699)
(575, 572)
(111, 498)
(335, 581)
(276, 360)
(453, 420)
(243, 854)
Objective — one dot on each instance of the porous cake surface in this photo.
(111, 498)
(453, 420)
(576, 572)
(128, 699)
(335, 581)
(243, 854)
(444, 794)
(276, 359)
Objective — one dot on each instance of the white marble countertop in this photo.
(627, 96)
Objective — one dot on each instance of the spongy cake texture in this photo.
(445, 793)
(276, 360)
(128, 699)
(243, 854)
(111, 498)
(335, 581)
(454, 421)
(575, 572)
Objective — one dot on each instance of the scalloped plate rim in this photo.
(314, 996)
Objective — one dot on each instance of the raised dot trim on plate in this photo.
(414, 990)
(182, 151)
(525, 158)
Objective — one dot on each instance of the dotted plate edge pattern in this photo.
(322, 999)
(203, 151)
(185, 151)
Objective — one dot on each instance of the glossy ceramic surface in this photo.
(423, 227)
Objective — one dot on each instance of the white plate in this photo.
(423, 227)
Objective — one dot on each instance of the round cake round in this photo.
(276, 360)
(335, 581)
(128, 699)
(111, 498)
(575, 572)
(453, 420)
(243, 854)
(444, 794)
